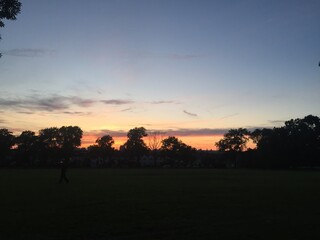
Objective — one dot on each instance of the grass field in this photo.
(159, 204)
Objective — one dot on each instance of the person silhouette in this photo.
(63, 176)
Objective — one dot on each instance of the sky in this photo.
(188, 68)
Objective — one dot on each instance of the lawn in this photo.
(159, 204)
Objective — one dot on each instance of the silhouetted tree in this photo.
(135, 147)
(68, 139)
(271, 147)
(106, 142)
(177, 152)
(104, 148)
(7, 140)
(304, 140)
(27, 146)
(154, 143)
(48, 144)
(155, 140)
(294, 145)
(234, 142)
(8, 10)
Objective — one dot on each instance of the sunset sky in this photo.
(190, 68)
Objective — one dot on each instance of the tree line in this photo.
(54, 144)
(294, 145)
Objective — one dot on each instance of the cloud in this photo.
(28, 52)
(184, 132)
(229, 116)
(126, 110)
(55, 102)
(25, 112)
(181, 132)
(113, 133)
(190, 114)
(76, 113)
(48, 104)
(164, 102)
(6, 103)
(276, 121)
(51, 103)
(117, 101)
(82, 102)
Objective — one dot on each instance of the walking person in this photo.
(63, 176)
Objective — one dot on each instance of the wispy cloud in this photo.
(82, 102)
(117, 101)
(28, 52)
(276, 121)
(54, 102)
(76, 113)
(190, 114)
(182, 132)
(229, 116)
(113, 133)
(25, 112)
(126, 110)
(39, 103)
(164, 102)
(47, 104)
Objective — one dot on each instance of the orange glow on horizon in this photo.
(88, 140)
(198, 142)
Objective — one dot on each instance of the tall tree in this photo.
(27, 146)
(105, 147)
(296, 144)
(48, 137)
(303, 140)
(177, 152)
(7, 140)
(155, 140)
(68, 139)
(9, 9)
(234, 142)
(105, 142)
(154, 143)
(271, 147)
(135, 146)
(48, 146)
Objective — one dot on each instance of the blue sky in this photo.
(166, 65)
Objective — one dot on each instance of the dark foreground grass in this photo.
(159, 204)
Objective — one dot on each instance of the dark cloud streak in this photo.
(50, 104)
(24, 112)
(229, 116)
(190, 114)
(113, 133)
(276, 121)
(28, 52)
(117, 102)
(164, 102)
